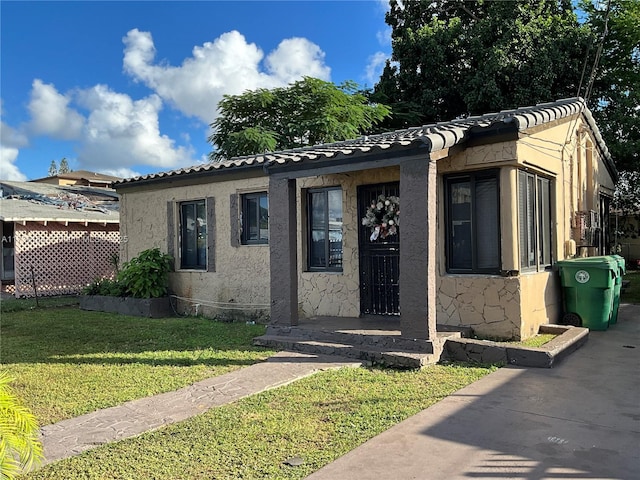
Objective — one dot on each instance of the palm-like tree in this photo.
(19, 444)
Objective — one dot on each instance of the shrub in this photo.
(105, 286)
(147, 275)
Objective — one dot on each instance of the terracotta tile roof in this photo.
(435, 137)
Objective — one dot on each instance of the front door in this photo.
(379, 257)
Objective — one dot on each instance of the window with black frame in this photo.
(255, 219)
(535, 217)
(473, 222)
(193, 235)
(325, 229)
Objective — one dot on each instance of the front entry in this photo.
(379, 258)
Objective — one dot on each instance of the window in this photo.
(325, 229)
(472, 223)
(193, 235)
(255, 218)
(534, 210)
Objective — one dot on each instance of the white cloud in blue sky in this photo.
(51, 114)
(70, 96)
(228, 65)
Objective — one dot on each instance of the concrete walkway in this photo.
(75, 435)
(579, 420)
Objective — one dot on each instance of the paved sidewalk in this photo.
(73, 436)
(578, 420)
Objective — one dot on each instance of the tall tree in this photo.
(64, 166)
(307, 112)
(615, 92)
(457, 57)
(53, 169)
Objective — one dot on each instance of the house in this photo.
(80, 178)
(487, 205)
(56, 239)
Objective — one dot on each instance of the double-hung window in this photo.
(193, 235)
(325, 229)
(255, 218)
(534, 211)
(472, 222)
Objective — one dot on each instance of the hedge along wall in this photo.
(64, 259)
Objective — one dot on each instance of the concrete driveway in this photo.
(579, 420)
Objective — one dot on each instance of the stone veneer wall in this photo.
(336, 293)
(488, 304)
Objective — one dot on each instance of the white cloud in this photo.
(8, 169)
(296, 57)
(120, 172)
(374, 67)
(228, 65)
(121, 132)
(50, 113)
(384, 37)
(10, 142)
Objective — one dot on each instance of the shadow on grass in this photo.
(50, 335)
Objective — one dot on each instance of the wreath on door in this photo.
(383, 217)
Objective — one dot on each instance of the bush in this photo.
(105, 286)
(145, 276)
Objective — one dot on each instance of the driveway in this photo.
(579, 420)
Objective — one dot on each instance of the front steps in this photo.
(374, 347)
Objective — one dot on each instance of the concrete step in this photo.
(365, 340)
(398, 358)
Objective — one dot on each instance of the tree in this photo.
(456, 58)
(53, 169)
(307, 112)
(64, 166)
(19, 445)
(615, 92)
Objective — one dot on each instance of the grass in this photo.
(22, 304)
(318, 418)
(537, 340)
(68, 362)
(631, 294)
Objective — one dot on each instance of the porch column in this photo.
(283, 251)
(418, 230)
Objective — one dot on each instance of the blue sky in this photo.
(129, 88)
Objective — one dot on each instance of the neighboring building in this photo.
(80, 178)
(59, 238)
(488, 205)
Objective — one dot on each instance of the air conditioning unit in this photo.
(585, 228)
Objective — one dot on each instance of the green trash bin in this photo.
(622, 269)
(588, 289)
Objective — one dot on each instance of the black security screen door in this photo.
(379, 259)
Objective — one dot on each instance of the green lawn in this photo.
(318, 418)
(68, 362)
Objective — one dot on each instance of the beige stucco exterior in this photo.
(512, 305)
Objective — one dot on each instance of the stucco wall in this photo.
(541, 301)
(240, 282)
